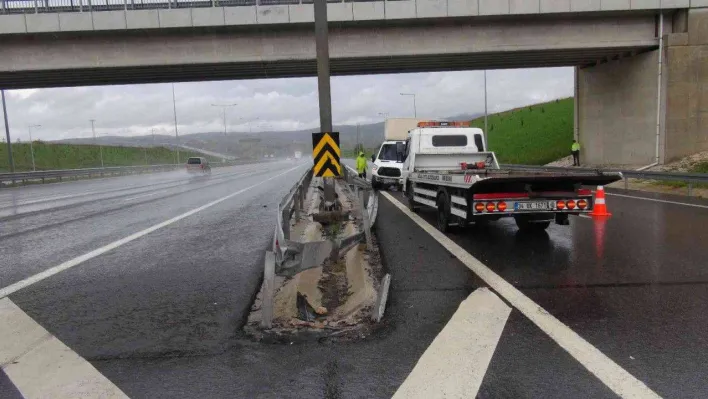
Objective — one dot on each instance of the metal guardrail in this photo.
(689, 178)
(288, 257)
(53, 6)
(87, 172)
(292, 256)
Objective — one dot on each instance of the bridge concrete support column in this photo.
(687, 88)
(616, 100)
(616, 111)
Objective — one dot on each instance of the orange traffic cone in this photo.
(600, 208)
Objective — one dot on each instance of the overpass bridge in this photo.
(626, 105)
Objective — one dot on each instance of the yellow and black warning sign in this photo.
(326, 153)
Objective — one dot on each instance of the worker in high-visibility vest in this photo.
(575, 150)
(361, 165)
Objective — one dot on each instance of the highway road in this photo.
(160, 315)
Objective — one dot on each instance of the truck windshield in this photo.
(388, 153)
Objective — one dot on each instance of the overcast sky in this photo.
(273, 104)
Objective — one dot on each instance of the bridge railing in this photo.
(52, 6)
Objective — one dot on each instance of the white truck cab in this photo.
(433, 145)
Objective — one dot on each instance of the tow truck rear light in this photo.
(560, 205)
(571, 204)
(479, 207)
(491, 207)
(582, 204)
(443, 124)
(501, 206)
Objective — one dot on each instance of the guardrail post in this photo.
(301, 197)
(690, 189)
(268, 288)
(365, 218)
(286, 224)
(297, 204)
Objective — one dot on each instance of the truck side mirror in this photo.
(373, 158)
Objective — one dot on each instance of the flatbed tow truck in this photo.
(447, 168)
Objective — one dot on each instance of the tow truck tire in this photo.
(443, 219)
(409, 195)
(528, 225)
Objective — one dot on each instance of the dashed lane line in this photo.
(41, 366)
(454, 364)
(12, 288)
(610, 373)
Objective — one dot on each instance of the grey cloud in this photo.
(274, 104)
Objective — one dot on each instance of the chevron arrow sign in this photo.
(326, 153)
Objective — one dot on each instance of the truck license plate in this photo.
(533, 206)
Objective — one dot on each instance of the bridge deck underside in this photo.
(308, 67)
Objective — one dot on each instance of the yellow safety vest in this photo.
(575, 147)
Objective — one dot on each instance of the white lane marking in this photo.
(456, 361)
(144, 195)
(179, 182)
(610, 373)
(12, 288)
(41, 366)
(659, 200)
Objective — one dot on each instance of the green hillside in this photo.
(75, 156)
(533, 135)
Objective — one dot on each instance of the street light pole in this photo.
(223, 108)
(29, 129)
(7, 133)
(100, 147)
(174, 107)
(415, 110)
(485, 135)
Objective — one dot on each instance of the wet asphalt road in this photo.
(160, 316)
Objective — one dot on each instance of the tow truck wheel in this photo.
(525, 224)
(443, 213)
(409, 196)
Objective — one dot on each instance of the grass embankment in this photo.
(533, 135)
(77, 156)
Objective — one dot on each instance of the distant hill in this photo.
(242, 144)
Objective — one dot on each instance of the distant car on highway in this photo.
(198, 165)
